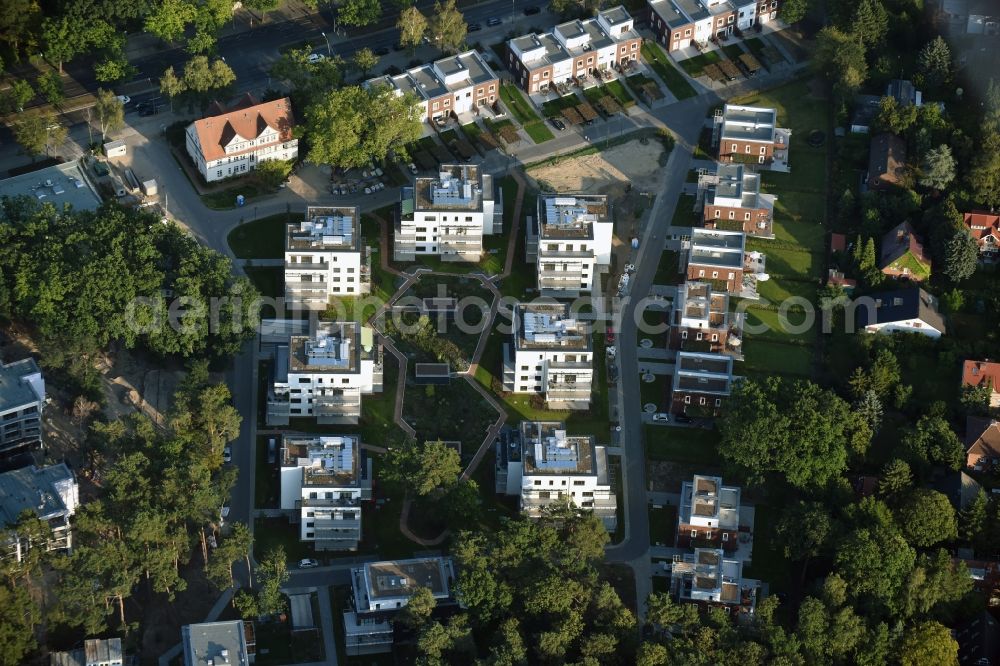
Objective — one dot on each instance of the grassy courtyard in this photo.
(682, 445)
(695, 66)
(263, 238)
(661, 63)
(522, 110)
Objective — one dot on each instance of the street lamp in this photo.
(327, 44)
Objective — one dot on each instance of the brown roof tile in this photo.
(246, 119)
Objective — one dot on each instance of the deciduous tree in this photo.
(840, 57)
(412, 27)
(984, 174)
(110, 112)
(170, 18)
(360, 13)
(171, 86)
(926, 518)
(793, 11)
(30, 132)
(51, 87)
(447, 26)
(365, 60)
(928, 644)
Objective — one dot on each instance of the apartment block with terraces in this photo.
(551, 355)
(574, 51)
(457, 84)
(702, 322)
(570, 241)
(447, 215)
(324, 257)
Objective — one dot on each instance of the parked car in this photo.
(531, 11)
(493, 21)
(224, 513)
(558, 124)
(146, 109)
(683, 418)
(382, 51)
(227, 454)
(124, 99)
(609, 336)
(412, 167)
(475, 27)
(315, 57)
(308, 563)
(661, 417)
(272, 451)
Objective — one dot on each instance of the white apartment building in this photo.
(323, 374)
(551, 356)
(324, 479)
(544, 465)
(324, 257)
(709, 513)
(570, 241)
(231, 142)
(380, 589)
(447, 215)
(52, 493)
(227, 643)
(22, 397)
(574, 50)
(457, 84)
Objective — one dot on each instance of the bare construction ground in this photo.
(636, 162)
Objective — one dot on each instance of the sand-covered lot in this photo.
(634, 162)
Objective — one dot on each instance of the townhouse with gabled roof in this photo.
(457, 84)
(570, 242)
(733, 200)
(985, 229)
(324, 257)
(447, 215)
(902, 254)
(551, 355)
(324, 479)
(231, 142)
(983, 373)
(982, 442)
(574, 50)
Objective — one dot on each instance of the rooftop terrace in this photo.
(748, 123)
(325, 228)
(549, 326)
(572, 217)
(456, 187)
(547, 449)
(326, 460)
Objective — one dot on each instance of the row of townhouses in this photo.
(679, 24)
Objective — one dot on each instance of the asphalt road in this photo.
(250, 53)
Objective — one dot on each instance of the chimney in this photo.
(900, 235)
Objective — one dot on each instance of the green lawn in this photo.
(660, 63)
(768, 358)
(662, 525)
(269, 281)
(272, 533)
(733, 51)
(667, 270)
(226, 199)
(788, 261)
(656, 392)
(757, 318)
(266, 485)
(768, 557)
(518, 105)
(538, 131)
(776, 291)
(682, 445)
(684, 215)
(473, 131)
(695, 66)
(621, 95)
(553, 107)
(263, 238)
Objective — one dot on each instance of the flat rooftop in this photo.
(401, 578)
(456, 187)
(669, 14)
(325, 228)
(331, 348)
(697, 301)
(572, 216)
(18, 385)
(58, 185)
(706, 497)
(716, 247)
(703, 373)
(205, 642)
(34, 488)
(737, 185)
(326, 460)
(574, 38)
(549, 326)
(748, 123)
(435, 79)
(547, 449)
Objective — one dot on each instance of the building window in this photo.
(731, 19)
(747, 149)
(701, 273)
(746, 216)
(677, 35)
(718, 213)
(718, 402)
(715, 274)
(701, 401)
(697, 336)
(687, 400)
(687, 33)
(684, 335)
(732, 214)
(694, 534)
(735, 147)
(715, 337)
(732, 275)
(725, 535)
(762, 151)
